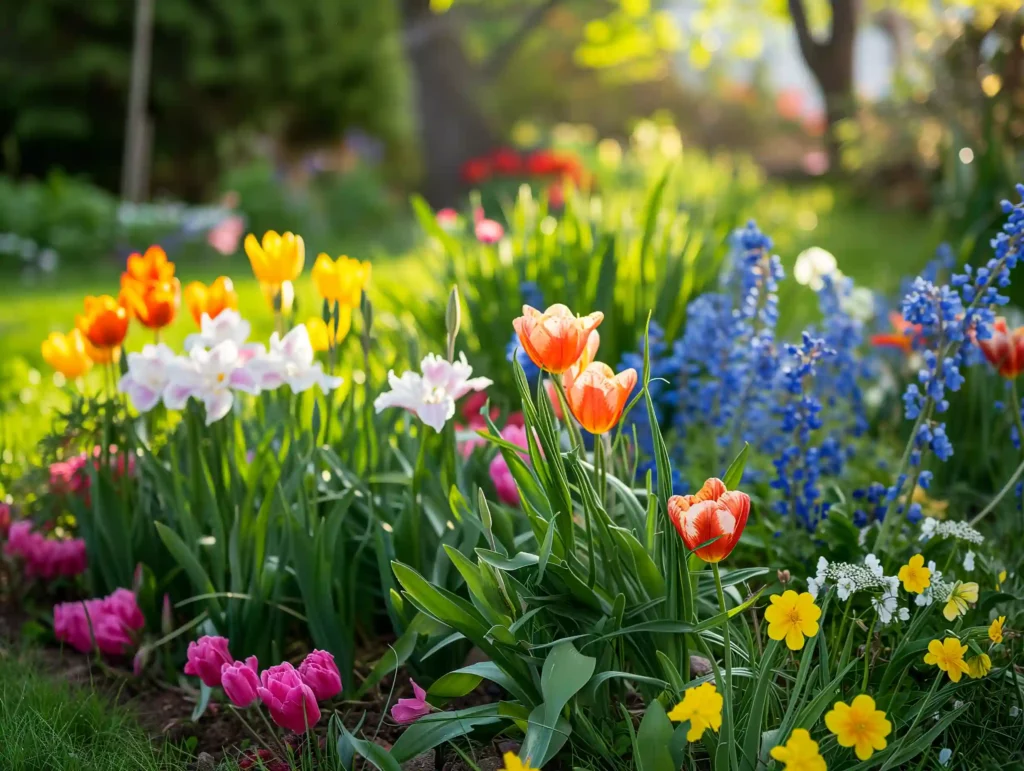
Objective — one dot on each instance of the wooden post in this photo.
(134, 171)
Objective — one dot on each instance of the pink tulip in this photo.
(410, 710)
(206, 656)
(448, 219)
(225, 235)
(45, 557)
(320, 673)
(501, 475)
(111, 622)
(240, 681)
(291, 702)
(489, 231)
(5, 519)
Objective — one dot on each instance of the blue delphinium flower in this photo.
(531, 295)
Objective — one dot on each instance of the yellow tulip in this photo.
(321, 334)
(67, 354)
(342, 280)
(279, 258)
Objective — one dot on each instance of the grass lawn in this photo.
(47, 724)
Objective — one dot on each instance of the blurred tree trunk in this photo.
(831, 63)
(451, 123)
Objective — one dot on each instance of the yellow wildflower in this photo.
(859, 725)
(702, 706)
(792, 617)
(948, 655)
(800, 753)
(995, 631)
(513, 763)
(978, 666)
(914, 575)
(959, 597)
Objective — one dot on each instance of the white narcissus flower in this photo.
(291, 360)
(228, 325)
(211, 376)
(431, 396)
(147, 375)
(812, 265)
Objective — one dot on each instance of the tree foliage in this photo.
(303, 71)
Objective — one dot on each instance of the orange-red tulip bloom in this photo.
(555, 339)
(713, 512)
(597, 395)
(104, 323)
(151, 266)
(154, 303)
(902, 337)
(1005, 349)
(211, 300)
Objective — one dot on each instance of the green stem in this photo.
(867, 654)
(273, 733)
(729, 727)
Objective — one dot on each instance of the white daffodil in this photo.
(431, 396)
(291, 360)
(228, 325)
(147, 376)
(812, 265)
(210, 376)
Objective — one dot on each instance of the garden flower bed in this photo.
(596, 511)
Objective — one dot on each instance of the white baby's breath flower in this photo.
(844, 587)
(969, 561)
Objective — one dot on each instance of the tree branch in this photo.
(808, 46)
(501, 57)
(844, 20)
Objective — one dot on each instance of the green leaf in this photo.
(205, 692)
(651, 749)
(372, 752)
(439, 727)
(501, 562)
(565, 672)
(734, 474)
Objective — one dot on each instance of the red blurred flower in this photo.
(506, 161)
(903, 335)
(476, 170)
(1005, 349)
(713, 513)
(554, 163)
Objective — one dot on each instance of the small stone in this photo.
(699, 666)
(205, 762)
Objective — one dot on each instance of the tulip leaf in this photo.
(373, 753)
(396, 655)
(651, 746)
(734, 474)
(439, 727)
(521, 559)
(205, 692)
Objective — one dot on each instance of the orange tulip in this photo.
(104, 323)
(67, 354)
(597, 395)
(151, 266)
(211, 300)
(902, 337)
(153, 303)
(1005, 349)
(555, 339)
(713, 513)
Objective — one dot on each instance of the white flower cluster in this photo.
(961, 531)
(870, 576)
(938, 589)
(431, 396)
(219, 362)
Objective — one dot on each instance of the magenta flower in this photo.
(290, 701)
(45, 557)
(320, 673)
(447, 218)
(501, 475)
(111, 622)
(489, 231)
(206, 656)
(411, 710)
(240, 681)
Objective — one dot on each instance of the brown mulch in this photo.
(164, 710)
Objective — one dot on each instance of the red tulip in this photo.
(1005, 349)
(713, 513)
